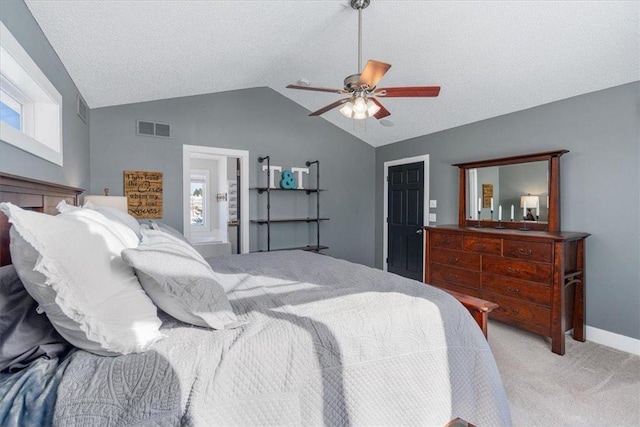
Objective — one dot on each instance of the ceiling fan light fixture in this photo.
(360, 105)
(372, 108)
(359, 116)
(347, 109)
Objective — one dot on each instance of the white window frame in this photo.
(22, 79)
(203, 176)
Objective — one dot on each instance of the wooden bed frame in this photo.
(30, 194)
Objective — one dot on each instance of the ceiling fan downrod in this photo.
(359, 5)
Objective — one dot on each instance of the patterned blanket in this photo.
(327, 342)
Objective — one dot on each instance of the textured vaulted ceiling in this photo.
(491, 58)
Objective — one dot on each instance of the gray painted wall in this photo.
(75, 133)
(599, 187)
(265, 123)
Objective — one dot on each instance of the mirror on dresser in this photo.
(523, 188)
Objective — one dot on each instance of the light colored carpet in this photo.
(591, 385)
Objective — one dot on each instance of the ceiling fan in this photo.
(362, 88)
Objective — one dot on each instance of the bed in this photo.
(319, 341)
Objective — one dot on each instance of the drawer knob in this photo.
(513, 270)
(509, 309)
(513, 290)
(452, 276)
(522, 251)
(452, 260)
(445, 242)
(481, 246)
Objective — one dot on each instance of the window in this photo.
(30, 106)
(199, 200)
(10, 110)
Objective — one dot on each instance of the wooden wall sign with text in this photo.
(143, 190)
(487, 194)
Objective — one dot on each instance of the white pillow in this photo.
(114, 215)
(71, 265)
(180, 281)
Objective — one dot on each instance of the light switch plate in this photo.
(433, 203)
(432, 217)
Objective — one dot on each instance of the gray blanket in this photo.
(327, 342)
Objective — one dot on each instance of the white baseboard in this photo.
(610, 339)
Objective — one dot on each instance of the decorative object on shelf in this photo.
(143, 190)
(116, 202)
(499, 226)
(288, 182)
(479, 206)
(270, 171)
(299, 172)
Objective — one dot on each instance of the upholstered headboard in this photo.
(30, 194)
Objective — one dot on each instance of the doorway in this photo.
(216, 195)
(406, 198)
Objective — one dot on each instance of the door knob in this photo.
(419, 231)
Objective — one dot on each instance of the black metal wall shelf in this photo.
(268, 221)
(265, 221)
(307, 190)
(300, 248)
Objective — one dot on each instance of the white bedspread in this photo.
(327, 342)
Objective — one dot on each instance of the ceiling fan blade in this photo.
(316, 89)
(329, 107)
(372, 73)
(383, 112)
(408, 91)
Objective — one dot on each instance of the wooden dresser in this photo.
(537, 278)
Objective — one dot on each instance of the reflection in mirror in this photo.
(509, 186)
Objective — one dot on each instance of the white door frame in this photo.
(385, 233)
(243, 155)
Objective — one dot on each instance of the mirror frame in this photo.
(553, 159)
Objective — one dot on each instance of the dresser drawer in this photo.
(527, 291)
(511, 309)
(456, 259)
(457, 288)
(446, 240)
(483, 245)
(534, 271)
(455, 275)
(532, 251)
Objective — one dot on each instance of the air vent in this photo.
(82, 109)
(153, 129)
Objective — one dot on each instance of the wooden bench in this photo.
(478, 308)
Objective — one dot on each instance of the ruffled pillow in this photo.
(71, 265)
(180, 281)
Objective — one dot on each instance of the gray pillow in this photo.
(161, 226)
(180, 281)
(117, 216)
(26, 335)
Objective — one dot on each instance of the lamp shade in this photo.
(530, 201)
(116, 202)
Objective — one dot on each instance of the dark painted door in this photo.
(405, 220)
